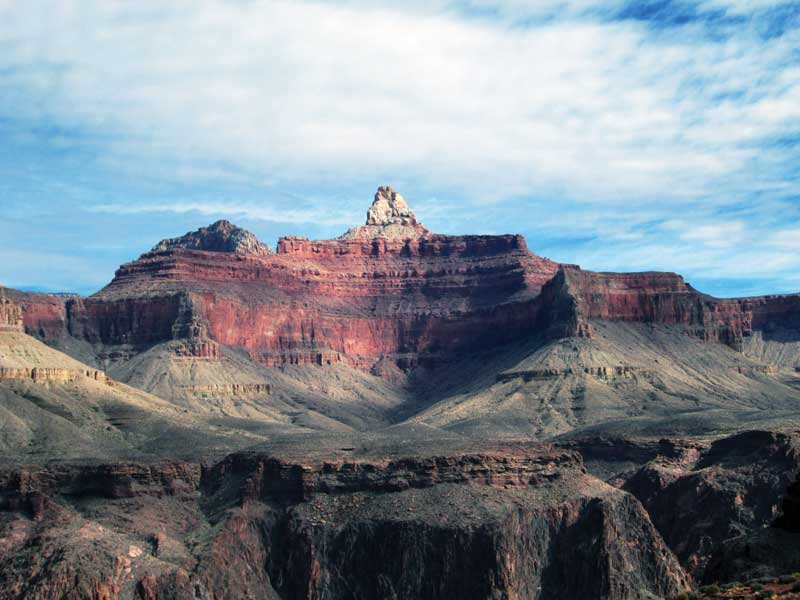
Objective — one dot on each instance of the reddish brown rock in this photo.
(517, 521)
(576, 297)
(356, 300)
(387, 292)
(45, 316)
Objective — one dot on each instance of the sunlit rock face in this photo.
(389, 290)
(389, 217)
(222, 236)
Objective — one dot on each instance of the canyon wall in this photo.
(503, 522)
(574, 297)
(388, 290)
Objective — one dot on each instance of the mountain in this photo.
(471, 333)
(224, 420)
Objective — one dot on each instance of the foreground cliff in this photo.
(469, 522)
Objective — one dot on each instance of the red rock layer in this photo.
(44, 315)
(353, 301)
(360, 301)
(574, 297)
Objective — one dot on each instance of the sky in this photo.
(618, 135)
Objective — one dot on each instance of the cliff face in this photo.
(389, 290)
(502, 522)
(707, 495)
(10, 315)
(575, 297)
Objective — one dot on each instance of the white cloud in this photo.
(295, 89)
(786, 239)
(262, 212)
(631, 128)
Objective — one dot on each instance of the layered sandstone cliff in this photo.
(10, 315)
(575, 297)
(390, 291)
(498, 522)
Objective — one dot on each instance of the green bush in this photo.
(710, 589)
(756, 587)
(787, 579)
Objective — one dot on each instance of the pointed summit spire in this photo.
(389, 208)
(388, 217)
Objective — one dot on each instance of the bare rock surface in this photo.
(367, 417)
(312, 520)
(221, 236)
(388, 217)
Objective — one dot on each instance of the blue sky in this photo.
(617, 135)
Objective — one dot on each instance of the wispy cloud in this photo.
(631, 115)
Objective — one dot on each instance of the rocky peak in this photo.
(222, 236)
(388, 217)
(389, 208)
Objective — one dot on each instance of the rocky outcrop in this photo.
(10, 315)
(501, 522)
(388, 217)
(229, 389)
(44, 374)
(762, 552)
(574, 297)
(358, 300)
(222, 236)
(45, 316)
(601, 372)
(266, 478)
(388, 291)
(700, 497)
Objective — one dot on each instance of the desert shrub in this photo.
(756, 587)
(787, 579)
(710, 589)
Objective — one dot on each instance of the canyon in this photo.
(225, 420)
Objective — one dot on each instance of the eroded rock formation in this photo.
(222, 236)
(506, 521)
(389, 217)
(388, 290)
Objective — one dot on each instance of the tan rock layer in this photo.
(230, 389)
(42, 374)
(602, 372)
